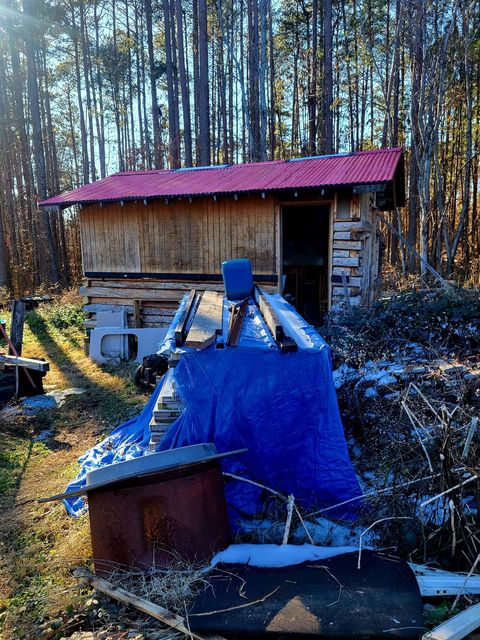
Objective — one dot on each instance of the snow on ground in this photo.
(331, 534)
(273, 555)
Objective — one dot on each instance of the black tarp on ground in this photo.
(7, 387)
(324, 599)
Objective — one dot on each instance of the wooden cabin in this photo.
(308, 225)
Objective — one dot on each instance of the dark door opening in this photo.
(305, 239)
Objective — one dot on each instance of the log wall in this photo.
(355, 250)
(157, 300)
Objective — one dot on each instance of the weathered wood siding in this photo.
(179, 237)
(182, 238)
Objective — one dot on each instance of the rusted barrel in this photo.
(142, 519)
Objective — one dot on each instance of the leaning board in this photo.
(207, 322)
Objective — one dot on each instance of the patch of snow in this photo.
(392, 396)
(327, 533)
(386, 380)
(371, 392)
(375, 371)
(50, 400)
(43, 435)
(273, 555)
(344, 374)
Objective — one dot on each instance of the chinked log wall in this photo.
(355, 250)
(173, 239)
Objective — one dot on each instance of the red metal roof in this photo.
(363, 167)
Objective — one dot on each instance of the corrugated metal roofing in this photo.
(363, 167)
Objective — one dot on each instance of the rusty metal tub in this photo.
(151, 510)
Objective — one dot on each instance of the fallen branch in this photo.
(288, 524)
(377, 492)
(447, 491)
(145, 606)
(370, 527)
(275, 493)
(468, 441)
(410, 417)
(469, 574)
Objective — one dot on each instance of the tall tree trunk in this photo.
(203, 92)
(91, 136)
(173, 134)
(262, 80)
(99, 83)
(416, 71)
(312, 93)
(187, 124)
(83, 129)
(253, 84)
(157, 142)
(50, 259)
(328, 77)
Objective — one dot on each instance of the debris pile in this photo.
(407, 376)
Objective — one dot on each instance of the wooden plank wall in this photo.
(179, 237)
(182, 237)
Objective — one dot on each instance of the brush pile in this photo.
(407, 374)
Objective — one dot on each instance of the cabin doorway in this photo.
(305, 259)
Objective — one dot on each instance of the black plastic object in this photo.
(153, 366)
(330, 598)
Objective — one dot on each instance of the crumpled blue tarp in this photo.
(129, 440)
(282, 407)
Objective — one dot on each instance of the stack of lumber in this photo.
(198, 326)
(168, 408)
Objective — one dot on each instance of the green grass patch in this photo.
(14, 454)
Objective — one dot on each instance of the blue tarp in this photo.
(282, 407)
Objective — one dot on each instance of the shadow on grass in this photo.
(109, 403)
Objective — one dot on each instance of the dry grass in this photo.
(39, 544)
(173, 588)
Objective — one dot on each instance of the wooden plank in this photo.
(16, 326)
(285, 342)
(176, 285)
(181, 326)
(29, 363)
(345, 262)
(352, 245)
(145, 606)
(269, 315)
(342, 235)
(207, 322)
(351, 226)
(140, 294)
(457, 627)
(136, 313)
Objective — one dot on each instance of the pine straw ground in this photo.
(409, 395)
